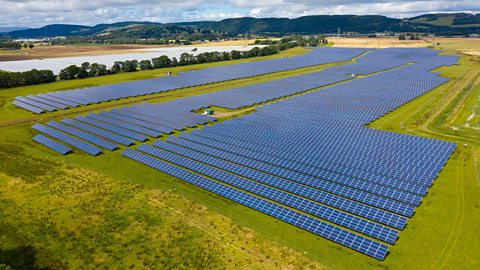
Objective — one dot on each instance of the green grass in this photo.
(443, 234)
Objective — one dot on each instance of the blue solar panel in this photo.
(52, 144)
(36, 104)
(98, 131)
(87, 148)
(84, 135)
(112, 128)
(48, 102)
(27, 107)
(58, 100)
(125, 125)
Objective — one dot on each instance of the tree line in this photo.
(16, 79)
(311, 41)
(85, 70)
(10, 45)
(93, 70)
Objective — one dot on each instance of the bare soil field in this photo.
(460, 45)
(242, 42)
(40, 52)
(377, 42)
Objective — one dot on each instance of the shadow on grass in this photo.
(19, 258)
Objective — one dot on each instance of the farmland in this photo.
(114, 201)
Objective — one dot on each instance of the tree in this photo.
(15, 79)
(117, 67)
(10, 45)
(235, 54)
(85, 65)
(401, 37)
(31, 46)
(225, 56)
(146, 65)
(313, 41)
(161, 62)
(130, 66)
(255, 51)
(174, 62)
(186, 59)
(82, 73)
(69, 73)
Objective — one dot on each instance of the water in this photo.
(57, 64)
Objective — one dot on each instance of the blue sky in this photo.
(36, 13)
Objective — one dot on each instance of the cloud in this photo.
(40, 12)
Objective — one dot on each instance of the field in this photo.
(386, 42)
(110, 211)
(42, 52)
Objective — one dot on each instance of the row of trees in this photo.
(92, 70)
(312, 41)
(16, 79)
(15, 45)
(411, 37)
(10, 45)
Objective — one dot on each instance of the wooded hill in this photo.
(440, 24)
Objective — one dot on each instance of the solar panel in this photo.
(58, 100)
(112, 128)
(85, 147)
(48, 102)
(52, 144)
(84, 135)
(125, 125)
(98, 131)
(27, 107)
(36, 104)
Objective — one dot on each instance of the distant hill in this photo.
(10, 29)
(309, 24)
(55, 30)
(448, 19)
(442, 24)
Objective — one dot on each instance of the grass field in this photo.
(111, 211)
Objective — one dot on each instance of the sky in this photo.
(37, 13)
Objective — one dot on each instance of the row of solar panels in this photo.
(71, 98)
(311, 153)
(108, 130)
(296, 218)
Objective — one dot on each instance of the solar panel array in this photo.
(311, 153)
(71, 98)
(306, 160)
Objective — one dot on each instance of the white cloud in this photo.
(40, 12)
